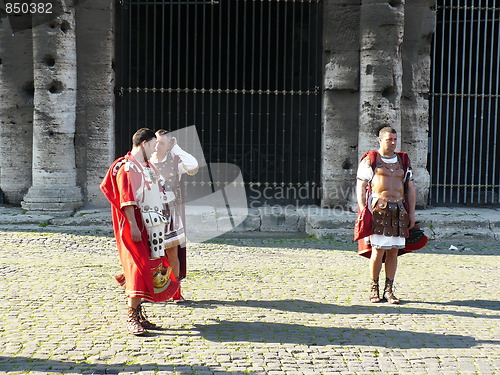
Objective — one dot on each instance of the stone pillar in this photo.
(54, 64)
(95, 133)
(382, 28)
(340, 101)
(419, 30)
(16, 112)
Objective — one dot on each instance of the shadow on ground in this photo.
(228, 331)
(302, 306)
(24, 364)
(476, 303)
(72, 230)
(344, 243)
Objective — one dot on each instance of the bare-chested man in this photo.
(385, 173)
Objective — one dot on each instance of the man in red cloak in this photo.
(134, 189)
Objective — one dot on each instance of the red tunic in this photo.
(138, 268)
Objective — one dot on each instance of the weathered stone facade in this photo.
(56, 111)
(377, 72)
(57, 99)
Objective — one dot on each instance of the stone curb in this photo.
(208, 222)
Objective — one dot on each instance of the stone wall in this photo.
(376, 71)
(95, 130)
(16, 111)
(419, 29)
(341, 20)
(54, 112)
(48, 166)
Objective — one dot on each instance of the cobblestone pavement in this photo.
(259, 306)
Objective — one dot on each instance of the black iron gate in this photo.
(465, 116)
(246, 73)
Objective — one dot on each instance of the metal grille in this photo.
(246, 73)
(465, 155)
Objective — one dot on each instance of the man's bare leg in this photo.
(391, 265)
(173, 259)
(134, 302)
(376, 262)
(375, 268)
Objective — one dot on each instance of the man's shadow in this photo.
(266, 332)
(303, 306)
(51, 366)
(476, 303)
(284, 333)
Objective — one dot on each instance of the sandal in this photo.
(143, 320)
(133, 325)
(389, 292)
(375, 296)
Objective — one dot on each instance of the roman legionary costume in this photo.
(146, 271)
(172, 168)
(389, 219)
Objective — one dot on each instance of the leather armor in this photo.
(390, 217)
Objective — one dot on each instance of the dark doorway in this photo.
(464, 157)
(247, 74)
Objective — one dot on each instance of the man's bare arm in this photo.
(134, 228)
(361, 193)
(411, 196)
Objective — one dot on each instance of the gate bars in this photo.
(464, 107)
(246, 73)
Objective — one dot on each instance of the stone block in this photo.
(422, 181)
(251, 222)
(52, 198)
(201, 222)
(200, 215)
(382, 27)
(391, 3)
(86, 217)
(416, 69)
(340, 114)
(377, 110)
(380, 72)
(415, 132)
(329, 233)
(339, 140)
(338, 190)
(419, 27)
(229, 221)
(338, 31)
(281, 219)
(331, 219)
(342, 71)
(333, 3)
(419, 3)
